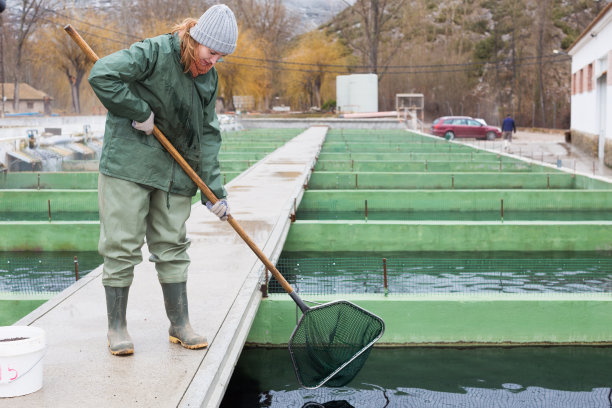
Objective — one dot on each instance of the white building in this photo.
(591, 128)
(357, 93)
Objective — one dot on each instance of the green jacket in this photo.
(149, 76)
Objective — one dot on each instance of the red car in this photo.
(451, 127)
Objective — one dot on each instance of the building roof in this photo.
(599, 17)
(26, 92)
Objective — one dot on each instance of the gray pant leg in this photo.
(123, 208)
(167, 235)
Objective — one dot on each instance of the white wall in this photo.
(17, 127)
(584, 112)
(595, 48)
(357, 93)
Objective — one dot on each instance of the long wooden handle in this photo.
(194, 176)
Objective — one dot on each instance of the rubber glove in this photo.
(220, 208)
(146, 126)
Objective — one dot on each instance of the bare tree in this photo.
(379, 40)
(273, 24)
(2, 56)
(542, 41)
(28, 18)
(75, 64)
(269, 19)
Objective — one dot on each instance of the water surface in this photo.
(537, 377)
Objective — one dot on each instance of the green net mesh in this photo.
(332, 342)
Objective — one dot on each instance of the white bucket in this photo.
(22, 349)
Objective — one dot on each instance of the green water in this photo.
(435, 273)
(36, 272)
(538, 377)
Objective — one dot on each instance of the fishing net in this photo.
(332, 342)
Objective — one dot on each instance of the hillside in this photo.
(314, 13)
(482, 58)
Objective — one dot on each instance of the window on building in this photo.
(581, 80)
(30, 105)
(574, 83)
(589, 78)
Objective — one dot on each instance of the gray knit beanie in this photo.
(217, 29)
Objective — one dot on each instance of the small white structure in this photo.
(244, 102)
(357, 93)
(591, 127)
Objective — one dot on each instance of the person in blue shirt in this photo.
(508, 127)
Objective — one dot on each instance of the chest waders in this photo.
(331, 342)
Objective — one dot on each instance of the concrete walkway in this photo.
(223, 289)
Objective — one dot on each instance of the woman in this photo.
(168, 81)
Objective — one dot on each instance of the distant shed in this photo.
(30, 99)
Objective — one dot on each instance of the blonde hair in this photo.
(188, 44)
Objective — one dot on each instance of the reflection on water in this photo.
(436, 377)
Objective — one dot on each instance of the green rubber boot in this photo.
(175, 300)
(119, 340)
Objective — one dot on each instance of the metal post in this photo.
(385, 276)
(264, 287)
(502, 210)
(76, 268)
(49, 205)
(356, 183)
(293, 214)
(366, 210)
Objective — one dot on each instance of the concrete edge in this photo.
(46, 307)
(227, 346)
(460, 320)
(210, 381)
(236, 327)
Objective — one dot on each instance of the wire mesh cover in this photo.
(332, 342)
